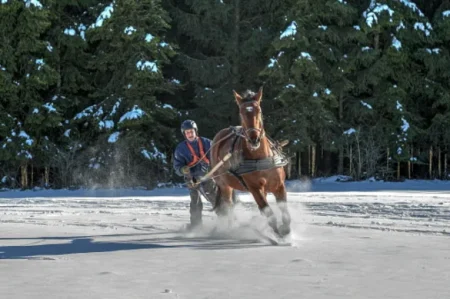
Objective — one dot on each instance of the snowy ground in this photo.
(350, 240)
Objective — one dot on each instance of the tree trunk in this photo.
(376, 41)
(387, 159)
(359, 169)
(299, 164)
(288, 168)
(340, 169)
(439, 163)
(445, 166)
(409, 164)
(31, 176)
(313, 161)
(46, 177)
(327, 163)
(398, 170)
(351, 159)
(430, 161)
(24, 176)
(309, 159)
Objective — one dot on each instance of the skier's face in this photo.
(190, 134)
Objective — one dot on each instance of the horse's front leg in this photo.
(260, 197)
(281, 197)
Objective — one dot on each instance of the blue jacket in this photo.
(182, 157)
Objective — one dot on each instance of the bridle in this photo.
(247, 130)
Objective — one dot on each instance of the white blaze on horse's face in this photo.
(250, 112)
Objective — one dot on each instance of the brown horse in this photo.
(256, 164)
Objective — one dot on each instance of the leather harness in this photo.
(244, 166)
(195, 158)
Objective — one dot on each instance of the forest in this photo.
(92, 93)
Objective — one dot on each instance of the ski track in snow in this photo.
(415, 213)
(373, 244)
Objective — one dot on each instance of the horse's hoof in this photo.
(284, 230)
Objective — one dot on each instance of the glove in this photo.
(204, 167)
(190, 182)
(185, 170)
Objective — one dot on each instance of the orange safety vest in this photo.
(195, 158)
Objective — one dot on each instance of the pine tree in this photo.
(129, 50)
(223, 46)
(26, 75)
(311, 59)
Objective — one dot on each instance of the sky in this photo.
(349, 240)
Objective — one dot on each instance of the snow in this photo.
(396, 43)
(399, 106)
(85, 113)
(27, 138)
(446, 13)
(49, 47)
(305, 55)
(405, 125)
(435, 50)
(107, 124)
(412, 6)
(69, 31)
(135, 113)
(104, 15)
(113, 137)
(49, 107)
(129, 30)
(376, 9)
(40, 63)
(115, 107)
(149, 37)
(366, 105)
(353, 239)
(423, 27)
(291, 30)
(35, 3)
(350, 131)
(82, 28)
(156, 154)
(147, 65)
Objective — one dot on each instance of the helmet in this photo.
(188, 124)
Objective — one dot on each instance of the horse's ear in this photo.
(237, 97)
(258, 96)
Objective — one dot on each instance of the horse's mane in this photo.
(248, 95)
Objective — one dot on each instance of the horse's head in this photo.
(251, 117)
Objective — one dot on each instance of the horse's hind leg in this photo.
(224, 203)
(281, 197)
